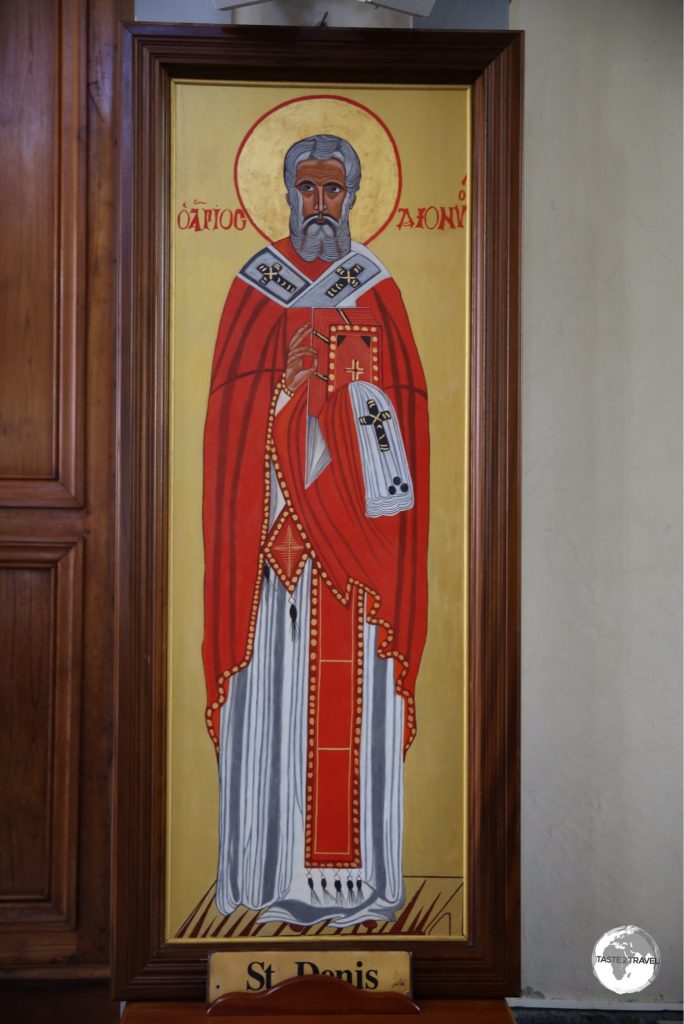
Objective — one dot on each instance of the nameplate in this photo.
(260, 971)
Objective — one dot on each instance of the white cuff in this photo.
(283, 399)
(386, 475)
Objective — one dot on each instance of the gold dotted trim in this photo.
(311, 716)
(224, 678)
(358, 721)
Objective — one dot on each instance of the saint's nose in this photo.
(320, 198)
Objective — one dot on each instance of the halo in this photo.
(258, 169)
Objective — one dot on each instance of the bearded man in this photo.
(315, 528)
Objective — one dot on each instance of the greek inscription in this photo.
(197, 215)
(436, 218)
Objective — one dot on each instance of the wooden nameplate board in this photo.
(264, 970)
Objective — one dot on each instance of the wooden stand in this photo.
(438, 1011)
(313, 995)
(316, 999)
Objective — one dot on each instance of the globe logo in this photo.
(626, 959)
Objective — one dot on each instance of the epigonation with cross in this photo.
(289, 548)
(286, 550)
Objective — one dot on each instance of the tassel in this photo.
(339, 898)
(293, 621)
(324, 886)
(268, 576)
(359, 890)
(314, 898)
(350, 890)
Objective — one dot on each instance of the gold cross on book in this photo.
(355, 370)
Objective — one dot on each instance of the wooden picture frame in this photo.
(487, 964)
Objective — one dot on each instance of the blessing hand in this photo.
(299, 349)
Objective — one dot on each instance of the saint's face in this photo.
(323, 188)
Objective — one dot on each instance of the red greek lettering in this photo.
(406, 220)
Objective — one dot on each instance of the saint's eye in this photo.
(306, 186)
(333, 188)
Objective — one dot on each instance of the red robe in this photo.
(385, 557)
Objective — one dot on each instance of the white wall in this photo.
(601, 486)
(466, 14)
(340, 13)
(181, 11)
(445, 13)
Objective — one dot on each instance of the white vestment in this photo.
(263, 741)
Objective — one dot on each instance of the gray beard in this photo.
(313, 238)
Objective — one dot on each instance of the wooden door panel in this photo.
(58, 286)
(40, 689)
(26, 605)
(42, 256)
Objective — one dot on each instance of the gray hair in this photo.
(323, 147)
(325, 241)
